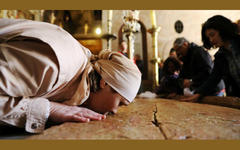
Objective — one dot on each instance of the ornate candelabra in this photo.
(155, 59)
(109, 36)
(130, 20)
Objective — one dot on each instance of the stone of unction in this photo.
(155, 119)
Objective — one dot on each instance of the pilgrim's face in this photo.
(214, 37)
(181, 50)
(124, 47)
(106, 100)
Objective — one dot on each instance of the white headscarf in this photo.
(116, 70)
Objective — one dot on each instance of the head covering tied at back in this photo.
(116, 70)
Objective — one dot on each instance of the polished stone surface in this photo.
(155, 119)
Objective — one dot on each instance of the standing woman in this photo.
(219, 32)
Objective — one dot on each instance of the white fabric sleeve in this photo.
(31, 113)
(28, 71)
(37, 115)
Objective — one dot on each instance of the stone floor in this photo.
(155, 119)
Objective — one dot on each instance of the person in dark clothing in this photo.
(197, 66)
(160, 69)
(219, 31)
(170, 83)
(172, 53)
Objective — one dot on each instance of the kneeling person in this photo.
(48, 75)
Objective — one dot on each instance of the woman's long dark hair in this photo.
(227, 30)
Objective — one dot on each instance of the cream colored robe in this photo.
(34, 71)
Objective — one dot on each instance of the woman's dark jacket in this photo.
(197, 65)
(221, 71)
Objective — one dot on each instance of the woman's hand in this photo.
(171, 95)
(64, 113)
(193, 98)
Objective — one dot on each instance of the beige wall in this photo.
(192, 20)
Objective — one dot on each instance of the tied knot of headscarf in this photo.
(117, 71)
(105, 55)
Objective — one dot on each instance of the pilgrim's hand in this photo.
(193, 98)
(172, 95)
(64, 113)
